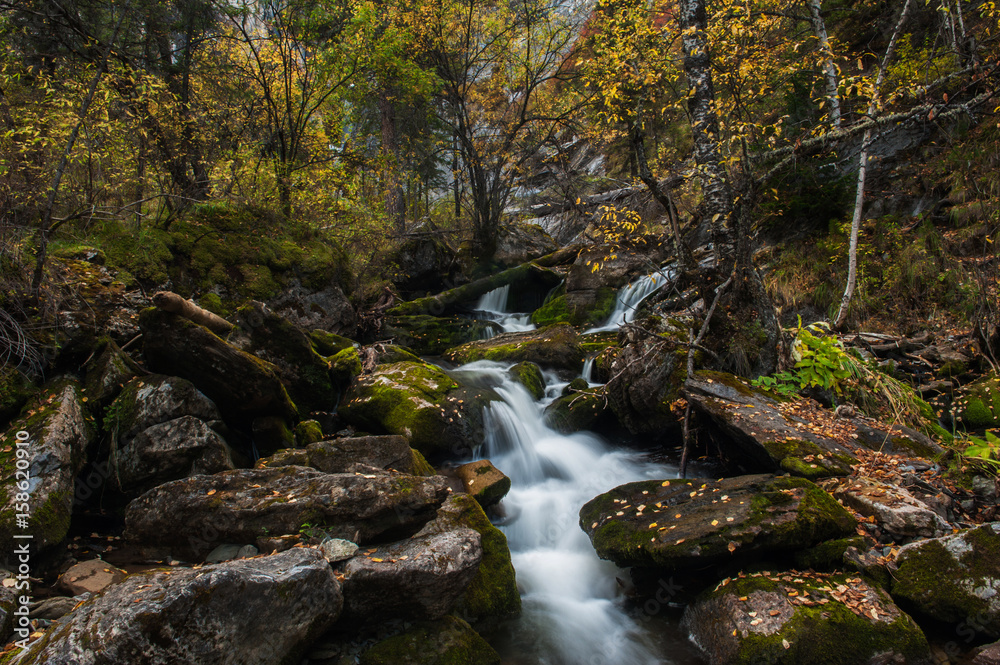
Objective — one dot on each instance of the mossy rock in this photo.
(650, 371)
(327, 343)
(577, 412)
(344, 366)
(433, 411)
(560, 308)
(556, 347)
(980, 404)
(953, 579)
(308, 431)
(595, 344)
(304, 373)
(421, 467)
(828, 555)
(15, 390)
(107, 373)
(529, 375)
(787, 618)
(492, 595)
(447, 641)
(682, 524)
(433, 335)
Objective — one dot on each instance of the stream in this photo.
(574, 612)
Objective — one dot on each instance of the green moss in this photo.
(982, 404)
(15, 390)
(344, 366)
(327, 343)
(577, 411)
(421, 467)
(213, 303)
(433, 335)
(308, 431)
(556, 309)
(553, 346)
(529, 375)
(790, 454)
(447, 641)
(828, 555)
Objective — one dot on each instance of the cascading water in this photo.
(570, 613)
(628, 300)
(493, 306)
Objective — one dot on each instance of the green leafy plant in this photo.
(983, 453)
(819, 357)
(783, 384)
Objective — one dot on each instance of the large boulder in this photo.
(443, 642)
(616, 266)
(37, 478)
(556, 347)
(492, 594)
(177, 448)
(106, 374)
(327, 308)
(895, 510)
(415, 579)
(432, 410)
(583, 309)
(648, 374)
(484, 482)
(342, 455)
(260, 611)
(304, 373)
(433, 335)
(243, 386)
(763, 433)
(682, 524)
(519, 243)
(791, 617)
(190, 517)
(955, 579)
(579, 411)
(151, 400)
(979, 403)
(425, 262)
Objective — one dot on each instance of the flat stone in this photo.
(897, 511)
(486, 483)
(90, 576)
(51, 609)
(224, 552)
(337, 549)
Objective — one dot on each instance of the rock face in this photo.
(689, 523)
(155, 399)
(484, 482)
(191, 516)
(304, 373)
(425, 264)
(792, 618)
(896, 510)
(649, 372)
(341, 455)
(242, 386)
(953, 579)
(55, 453)
(518, 243)
(492, 594)
(556, 346)
(262, 611)
(415, 579)
(107, 372)
(327, 309)
(447, 640)
(433, 411)
(180, 447)
(432, 335)
(765, 434)
(529, 375)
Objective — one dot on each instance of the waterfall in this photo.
(493, 306)
(629, 299)
(570, 612)
(588, 371)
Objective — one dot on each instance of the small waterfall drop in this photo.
(629, 299)
(571, 615)
(493, 306)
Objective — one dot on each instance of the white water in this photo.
(493, 306)
(629, 299)
(571, 613)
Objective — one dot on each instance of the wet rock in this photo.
(583, 309)
(190, 517)
(173, 449)
(895, 510)
(583, 411)
(552, 347)
(271, 434)
(262, 611)
(764, 433)
(433, 335)
(90, 577)
(492, 594)
(791, 618)
(340, 455)
(447, 640)
(529, 375)
(415, 579)
(953, 579)
(242, 386)
(484, 482)
(648, 372)
(54, 454)
(304, 373)
(107, 373)
(434, 412)
(619, 265)
(690, 523)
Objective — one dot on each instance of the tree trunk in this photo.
(718, 198)
(859, 198)
(395, 207)
(829, 68)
